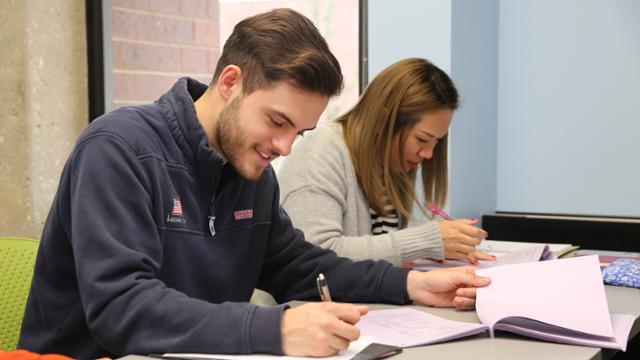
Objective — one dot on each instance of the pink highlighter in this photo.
(437, 211)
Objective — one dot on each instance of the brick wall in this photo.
(156, 42)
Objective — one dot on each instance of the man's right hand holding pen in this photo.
(460, 237)
(323, 329)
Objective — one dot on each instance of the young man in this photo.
(167, 217)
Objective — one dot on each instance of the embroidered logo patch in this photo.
(243, 214)
(176, 215)
(177, 208)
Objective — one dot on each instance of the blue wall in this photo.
(409, 28)
(550, 98)
(473, 137)
(569, 107)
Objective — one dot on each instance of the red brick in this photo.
(123, 87)
(131, 4)
(121, 24)
(214, 10)
(195, 61)
(205, 33)
(151, 87)
(177, 31)
(214, 55)
(115, 106)
(146, 27)
(171, 22)
(166, 6)
(203, 79)
(141, 88)
(196, 8)
(188, 8)
(149, 27)
(135, 56)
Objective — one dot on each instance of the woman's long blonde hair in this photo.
(391, 104)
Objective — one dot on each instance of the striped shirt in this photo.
(384, 224)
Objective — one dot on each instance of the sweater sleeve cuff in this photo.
(419, 242)
(393, 288)
(265, 335)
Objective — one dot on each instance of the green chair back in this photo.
(17, 259)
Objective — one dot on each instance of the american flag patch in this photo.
(243, 214)
(177, 208)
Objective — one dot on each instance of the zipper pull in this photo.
(212, 228)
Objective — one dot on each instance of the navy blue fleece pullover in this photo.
(128, 263)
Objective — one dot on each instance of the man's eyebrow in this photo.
(287, 119)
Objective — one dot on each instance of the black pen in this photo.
(323, 288)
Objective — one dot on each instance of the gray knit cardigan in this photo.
(320, 192)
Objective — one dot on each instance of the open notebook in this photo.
(510, 255)
(557, 300)
(500, 247)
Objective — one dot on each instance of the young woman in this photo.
(350, 184)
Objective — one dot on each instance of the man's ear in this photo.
(229, 82)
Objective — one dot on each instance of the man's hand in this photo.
(454, 287)
(320, 329)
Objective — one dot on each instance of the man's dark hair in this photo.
(281, 45)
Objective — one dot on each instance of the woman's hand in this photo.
(479, 255)
(460, 238)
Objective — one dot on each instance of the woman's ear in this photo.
(229, 82)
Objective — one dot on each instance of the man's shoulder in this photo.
(139, 127)
(126, 119)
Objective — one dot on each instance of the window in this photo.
(156, 42)
(148, 45)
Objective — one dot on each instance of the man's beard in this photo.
(232, 140)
